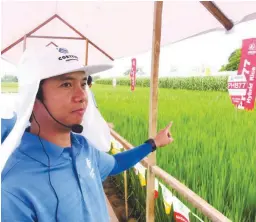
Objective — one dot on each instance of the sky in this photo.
(209, 50)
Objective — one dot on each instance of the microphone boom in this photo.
(76, 128)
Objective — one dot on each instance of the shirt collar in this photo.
(32, 147)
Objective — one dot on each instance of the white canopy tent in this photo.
(119, 29)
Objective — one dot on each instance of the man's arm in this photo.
(127, 159)
(112, 165)
(14, 209)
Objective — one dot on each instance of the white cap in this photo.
(47, 62)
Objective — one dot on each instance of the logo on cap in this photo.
(62, 50)
(66, 57)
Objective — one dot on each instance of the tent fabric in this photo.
(119, 28)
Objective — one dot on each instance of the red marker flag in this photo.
(133, 74)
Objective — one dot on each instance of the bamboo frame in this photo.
(51, 43)
(218, 14)
(156, 43)
(25, 43)
(86, 51)
(55, 37)
(82, 37)
(153, 170)
(79, 33)
(126, 195)
(193, 198)
(28, 34)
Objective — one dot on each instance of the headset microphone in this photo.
(77, 128)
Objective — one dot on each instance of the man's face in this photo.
(65, 97)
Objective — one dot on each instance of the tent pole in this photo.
(86, 51)
(156, 43)
(24, 42)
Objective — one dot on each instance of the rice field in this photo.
(202, 83)
(214, 152)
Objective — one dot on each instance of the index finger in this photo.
(168, 126)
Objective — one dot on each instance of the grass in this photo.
(214, 150)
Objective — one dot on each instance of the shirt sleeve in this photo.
(14, 209)
(105, 162)
(112, 165)
(127, 159)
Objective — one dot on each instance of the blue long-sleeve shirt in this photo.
(76, 175)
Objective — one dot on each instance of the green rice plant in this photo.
(213, 152)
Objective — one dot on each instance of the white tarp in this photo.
(119, 28)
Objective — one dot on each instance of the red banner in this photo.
(133, 74)
(247, 68)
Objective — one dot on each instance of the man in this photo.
(55, 174)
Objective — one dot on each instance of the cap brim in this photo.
(88, 70)
(92, 69)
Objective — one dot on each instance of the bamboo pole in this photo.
(193, 198)
(86, 51)
(204, 207)
(156, 42)
(218, 14)
(55, 37)
(24, 42)
(51, 43)
(28, 34)
(126, 195)
(79, 33)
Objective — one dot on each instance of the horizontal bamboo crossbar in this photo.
(193, 198)
(55, 37)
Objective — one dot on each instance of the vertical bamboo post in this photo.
(86, 52)
(24, 42)
(156, 43)
(126, 195)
